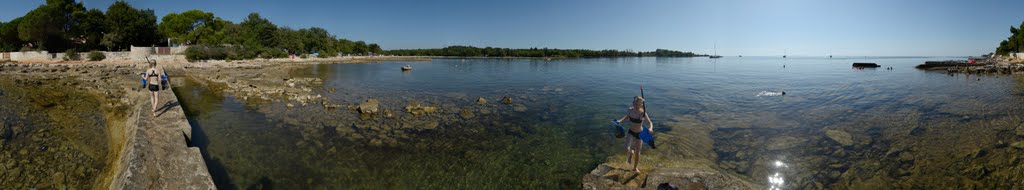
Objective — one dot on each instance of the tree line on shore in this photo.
(470, 51)
(1013, 44)
(66, 25)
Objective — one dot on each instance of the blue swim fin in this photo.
(619, 131)
(648, 138)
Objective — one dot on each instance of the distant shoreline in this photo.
(339, 59)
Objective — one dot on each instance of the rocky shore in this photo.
(47, 104)
(60, 123)
(1002, 66)
(290, 92)
(685, 159)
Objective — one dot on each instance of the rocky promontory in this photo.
(684, 160)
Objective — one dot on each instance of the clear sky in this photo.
(738, 27)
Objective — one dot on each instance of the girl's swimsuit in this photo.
(634, 134)
(637, 121)
(153, 87)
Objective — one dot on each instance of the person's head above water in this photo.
(638, 103)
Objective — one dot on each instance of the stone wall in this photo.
(156, 153)
(1017, 55)
(142, 52)
(136, 54)
(32, 56)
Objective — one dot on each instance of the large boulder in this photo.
(839, 136)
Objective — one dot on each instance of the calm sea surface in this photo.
(564, 131)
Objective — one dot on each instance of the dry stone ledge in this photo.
(155, 153)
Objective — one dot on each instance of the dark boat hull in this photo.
(866, 65)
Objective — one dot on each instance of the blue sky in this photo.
(738, 27)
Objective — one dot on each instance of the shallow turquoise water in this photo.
(564, 132)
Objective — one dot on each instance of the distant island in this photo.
(470, 51)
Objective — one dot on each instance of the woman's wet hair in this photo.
(151, 63)
(637, 100)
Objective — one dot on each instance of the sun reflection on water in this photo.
(775, 181)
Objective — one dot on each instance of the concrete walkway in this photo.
(156, 154)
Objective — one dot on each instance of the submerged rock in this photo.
(1018, 144)
(431, 125)
(906, 157)
(839, 136)
(507, 100)
(466, 113)
(607, 176)
(369, 106)
(519, 108)
(481, 100)
(414, 108)
(1020, 130)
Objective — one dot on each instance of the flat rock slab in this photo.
(156, 154)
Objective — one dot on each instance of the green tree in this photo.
(52, 26)
(290, 40)
(258, 32)
(9, 40)
(192, 27)
(90, 29)
(129, 26)
(360, 48)
(345, 46)
(375, 48)
(1014, 43)
(317, 39)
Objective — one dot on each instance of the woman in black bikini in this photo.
(636, 115)
(152, 77)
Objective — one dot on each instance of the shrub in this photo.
(273, 53)
(96, 56)
(71, 55)
(195, 53)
